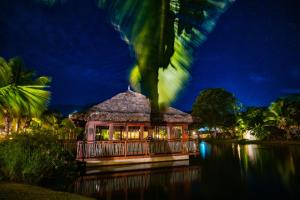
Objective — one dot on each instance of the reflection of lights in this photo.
(97, 187)
(205, 149)
(202, 149)
(239, 151)
(252, 153)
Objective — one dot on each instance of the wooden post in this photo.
(126, 140)
(126, 132)
(125, 146)
(169, 131)
(90, 132)
(150, 132)
(185, 137)
(141, 132)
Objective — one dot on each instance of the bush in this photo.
(31, 157)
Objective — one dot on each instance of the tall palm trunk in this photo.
(18, 124)
(7, 123)
(26, 124)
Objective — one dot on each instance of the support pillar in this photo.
(126, 132)
(150, 132)
(90, 131)
(185, 135)
(142, 132)
(169, 130)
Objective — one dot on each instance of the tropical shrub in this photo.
(251, 121)
(285, 114)
(32, 157)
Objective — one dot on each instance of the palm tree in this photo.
(49, 120)
(275, 115)
(163, 34)
(21, 94)
(279, 115)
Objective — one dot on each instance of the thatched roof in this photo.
(129, 106)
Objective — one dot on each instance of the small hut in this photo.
(125, 119)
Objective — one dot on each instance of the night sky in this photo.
(254, 52)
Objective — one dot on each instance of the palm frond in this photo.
(20, 93)
(163, 35)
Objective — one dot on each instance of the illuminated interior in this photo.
(160, 133)
(136, 133)
(119, 133)
(177, 132)
(102, 133)
(133, 132)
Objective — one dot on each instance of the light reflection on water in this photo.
(220, 170)
(258, 157)
(204, 149)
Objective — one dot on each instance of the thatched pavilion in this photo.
(122, 127)
(126, 116)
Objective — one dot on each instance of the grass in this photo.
(29, 192)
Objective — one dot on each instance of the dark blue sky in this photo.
(254, 51)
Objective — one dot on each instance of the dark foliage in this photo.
(32, 158)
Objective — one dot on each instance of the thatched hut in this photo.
(127, 116)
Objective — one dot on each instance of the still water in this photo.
(220, 171)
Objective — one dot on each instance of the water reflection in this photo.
(275, 162)
(127, 185)
(220, 171)
(205, 149)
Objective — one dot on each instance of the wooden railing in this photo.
(99, 149)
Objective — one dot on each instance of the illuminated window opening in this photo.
(160, 133)
(119, 133)
(102, 133)
(134, 132)
(177, 132)
(146, 133)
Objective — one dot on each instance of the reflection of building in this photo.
(122, 125)
(138, 182)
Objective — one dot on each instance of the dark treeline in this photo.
(224, 116)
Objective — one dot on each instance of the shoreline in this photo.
(243, 141)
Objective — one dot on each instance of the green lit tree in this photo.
(22, 95)
(284, 113)
(216, 108)
(252, 119)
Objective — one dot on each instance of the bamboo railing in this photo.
(101, 149)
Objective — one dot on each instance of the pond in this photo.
(220, 171)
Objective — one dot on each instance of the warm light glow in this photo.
(249, 136)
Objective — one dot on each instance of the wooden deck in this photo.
(134, 160)
(94, 166)
(127, 149)
(116, 153)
